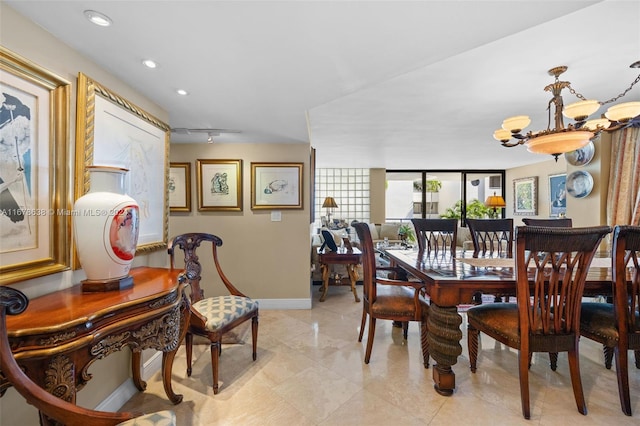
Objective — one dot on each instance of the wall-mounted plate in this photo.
(579, 184)
(582, 156)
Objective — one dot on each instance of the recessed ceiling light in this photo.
(182, 92)
(98, 18)
(149, 63)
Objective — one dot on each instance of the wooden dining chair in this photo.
(388, 299)
(213, 316)
(14, 302)
(617, 325)
(436, 236)
(562, 222)
(551, 269)
(491, 237)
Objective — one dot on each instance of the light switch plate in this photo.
(276, 216)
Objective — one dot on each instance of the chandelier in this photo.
(561, 139)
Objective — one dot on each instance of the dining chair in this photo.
(551, 269)
(436, 236)
(560, 222)
(14, 302)
(491, 237)
(617, 325)
(212, 317)
(388, 299)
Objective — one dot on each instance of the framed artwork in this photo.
(179, 187)
(579, 184)
(219, 185)
(276, 186)
(581, 156)
(557, 195)
(111, 131)
(34, 135)
(525, 196)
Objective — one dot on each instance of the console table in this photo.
(349, 258)
(61, 334)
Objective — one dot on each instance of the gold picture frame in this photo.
(276, 186)
(112, 131)
(34, 211)
(219, 185)
(179, 187)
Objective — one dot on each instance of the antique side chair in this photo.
(491, 237)
(551, 269)
(14, 302)
(383, 298)
(617, 325)
(212, 317)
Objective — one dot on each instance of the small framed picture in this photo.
(557, 195)
(179, 187)
(525, 196)
(219, 185)
(276, 186)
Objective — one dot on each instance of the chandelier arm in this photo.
(580, 96)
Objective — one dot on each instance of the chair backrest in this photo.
(563, 222)
(13, 302)
(193, 269)
(551, 269)
(626, 245)
(436, 235)
(368, 261)
(492, 237)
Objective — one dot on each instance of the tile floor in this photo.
(310, 371)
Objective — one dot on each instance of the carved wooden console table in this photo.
(62, 334)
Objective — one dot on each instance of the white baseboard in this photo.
(118, 397)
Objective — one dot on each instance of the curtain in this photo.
(623, 197)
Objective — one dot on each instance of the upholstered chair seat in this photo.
(396, 301)
(223, 310)
(598, 323)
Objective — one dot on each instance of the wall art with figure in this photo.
(557, 195)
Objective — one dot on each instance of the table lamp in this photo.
(329, 203)
(496, 202)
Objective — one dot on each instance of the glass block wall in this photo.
(350, 189)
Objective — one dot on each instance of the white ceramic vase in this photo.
(106, 226)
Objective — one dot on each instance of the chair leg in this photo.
(215, 355)
(576, 380)
(188, 342)
(473, 335)
(405, 329)
(523, 368)
(424, 332)
(608, 356)
(254, 335)
(553, 360)
(363, 323)
(372, 333)
(637, 354)
(622, 371)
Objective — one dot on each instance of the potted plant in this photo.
(406, 233)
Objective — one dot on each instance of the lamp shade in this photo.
(516, 124)
(495, 201)
(623, 112)
(559, 143)
(581, 110)
(329, 202)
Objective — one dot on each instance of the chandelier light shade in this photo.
(559, 139)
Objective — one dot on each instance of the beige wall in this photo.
(267, 260)
(378, 188)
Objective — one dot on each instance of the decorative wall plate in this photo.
(582, 156)
(579, 184)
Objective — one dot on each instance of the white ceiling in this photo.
(394, 84)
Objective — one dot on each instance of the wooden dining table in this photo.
(454, 280)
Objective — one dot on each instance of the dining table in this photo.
(453, 280)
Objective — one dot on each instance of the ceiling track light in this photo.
(561, 139)
(210, 132)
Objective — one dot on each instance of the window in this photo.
(350, 190)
